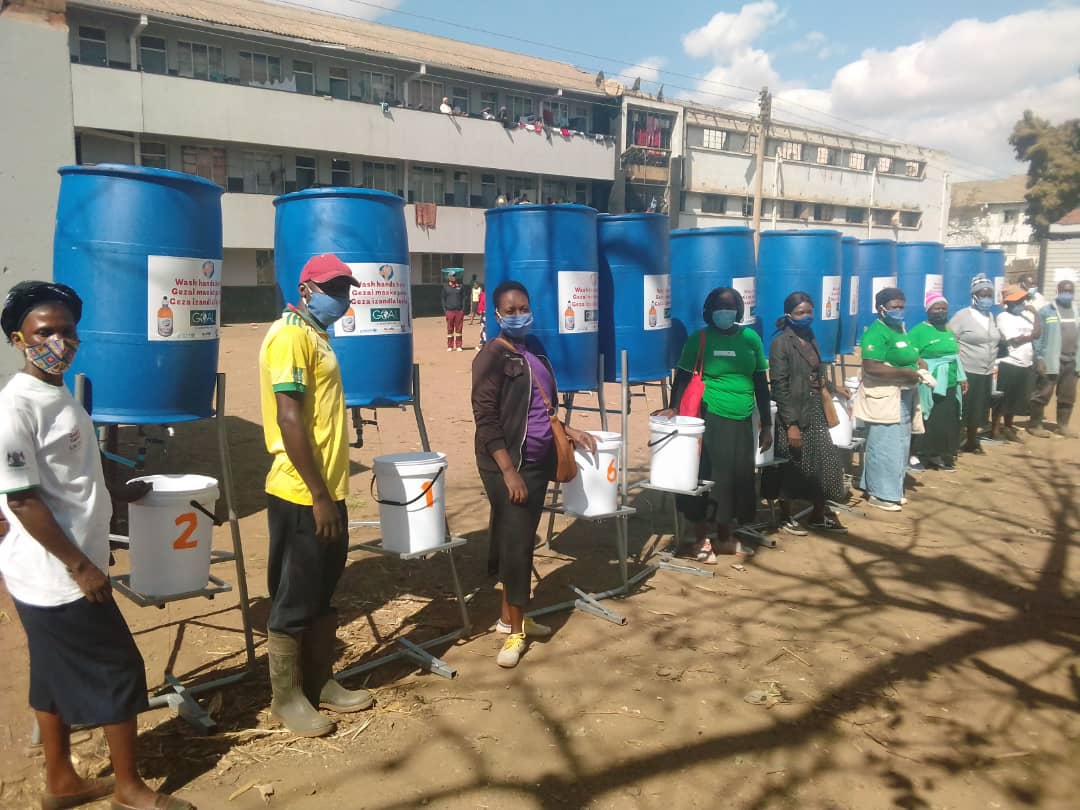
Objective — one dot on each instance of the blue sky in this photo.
(950, 75)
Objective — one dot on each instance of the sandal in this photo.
(705, 553)
(95, 789)
(162, 802)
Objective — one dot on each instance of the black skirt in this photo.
(727, 459)
(814, 472)
(1016, 385)
(84, 665)
(942, 436)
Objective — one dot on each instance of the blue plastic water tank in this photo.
(920, 267)
(635, 295)
(961, 265)
(703, 259)
(994, 268)
(875, 267)
(849, 296)
(366, 230)
(142, 247)
(789, 261)
(551, 249)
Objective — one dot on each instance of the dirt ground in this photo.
(926, 660)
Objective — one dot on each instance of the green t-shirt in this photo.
(729, 363)
(879, 342)
(933, 342)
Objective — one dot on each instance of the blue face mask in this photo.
(326, 308)
(805, 322)
(1065, 299)
(724, 318)
(984, 304)
(516, 326)
(895, 316)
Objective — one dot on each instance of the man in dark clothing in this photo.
(1055, 362)
(453, 304)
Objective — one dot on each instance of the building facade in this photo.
(994, 213)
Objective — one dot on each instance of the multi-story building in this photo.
(993, 213)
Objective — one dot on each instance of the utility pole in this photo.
(764, 113)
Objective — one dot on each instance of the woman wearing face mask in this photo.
(733, 369)
(937, 448)
(886, 401)
(977, 339)
(513, 394)
(1020, 327)
(799, 381)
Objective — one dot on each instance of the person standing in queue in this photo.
(514, 394)
(304, 425)
(733, 368)
(1055, 353)
(475, 288)
(84, 666)
(886, 401)
(940, 402)
(1019, 328)
(453, 305)
(977, 339)
(800, 382)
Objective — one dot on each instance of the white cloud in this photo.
(347, 8)
(809, 41)
(726, 35)
(647, 69)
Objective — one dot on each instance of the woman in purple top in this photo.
(513, 384)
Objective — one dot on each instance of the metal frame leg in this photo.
(417, 410)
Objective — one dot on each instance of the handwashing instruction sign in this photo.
(657, 302)
(183, 298)
(829, 308)
(935, 283)
(579, 301)
(381, 304)
(880, 283)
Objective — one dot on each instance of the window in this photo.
(304, 75)
(581, 193)
(432, 264)
(748, 206)
(427, 185)
(306, 172)
(1010, 215)
(579, 118)
(884, 218)
(714, 139)
(520, 107)
(198, 61)
(489, 100)
(340, 172)
(461, 190)
(152, 55)
(855, 216)
(339, 82)
(153, 155)
(263, 173)
(489, 190)
(381, 176)
(884, 165)
(379, 87)
(750, 144)
(856, 161)
(521, 186)
(556, 113)
(823, 213)
(264, 268)
(911, 219)
(713, 203)
(823, 156)
(93, 49)
(459, 100)
(913, 168)
(258, 68)
(788, 150)
(204, 161)
(425, 95)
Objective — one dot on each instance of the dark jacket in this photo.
(501, 393)
(453, 297)
(790, 375)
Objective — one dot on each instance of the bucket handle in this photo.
(667, 437)
(423, 492)
(207, 512)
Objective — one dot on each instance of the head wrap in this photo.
(27, 296)
(1014, 294)
(932, 298)
(888, 294)
(980, 282)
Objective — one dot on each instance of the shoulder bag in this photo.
(690, 403)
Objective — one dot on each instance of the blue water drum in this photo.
(809, 261)
(366, 230)
(920, 267)
(142, 247)
(551, 249)
(961, 265)
(875, 268)
(635, 295)
(849, 295)
(703, 259)
(994, 268)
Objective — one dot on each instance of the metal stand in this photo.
(666, 557)
(359, 421)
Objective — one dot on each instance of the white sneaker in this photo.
(449, 350)
(883, 505)
(459, 349)
(532, 629)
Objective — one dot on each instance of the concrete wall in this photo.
(35, 139)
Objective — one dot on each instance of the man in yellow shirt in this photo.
(304, 424)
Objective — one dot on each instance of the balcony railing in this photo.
(646, 164)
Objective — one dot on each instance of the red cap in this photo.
(325, 268)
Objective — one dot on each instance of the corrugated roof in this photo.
(981, 192)
(369, 37)
(1071, 218)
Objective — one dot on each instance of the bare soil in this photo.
(928, 659)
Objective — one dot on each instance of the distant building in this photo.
(1061, 253)
(992, 213)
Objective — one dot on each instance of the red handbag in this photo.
(690, 404)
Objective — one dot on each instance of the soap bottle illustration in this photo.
(652, 316)
(165, 318)
(348, 321)
(568, 318)
(828, 309)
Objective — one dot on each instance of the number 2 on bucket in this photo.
(191, 520)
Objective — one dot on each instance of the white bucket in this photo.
(676, 452)
(412, 500)
(595, 490)
(169, 537)
(842, 433)
(760, 458)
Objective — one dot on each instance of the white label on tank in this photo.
(744, 286)
(999, 289)
(880, 283)
(657, 302)
(579, 301)
(853, 304)
(381, 304)
(830, 298)
(935, 283)
(183, 298)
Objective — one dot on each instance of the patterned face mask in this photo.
(54, 355)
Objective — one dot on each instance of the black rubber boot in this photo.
(290, 707)
(319, 684)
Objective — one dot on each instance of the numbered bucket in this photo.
(170, 531)
(842, 433)
(412, 500)
(676, 452)
(595, 490)
(761, 459)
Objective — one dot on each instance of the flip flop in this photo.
(95, 789)
(162, 802)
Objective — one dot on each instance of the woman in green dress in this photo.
(942, 402)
